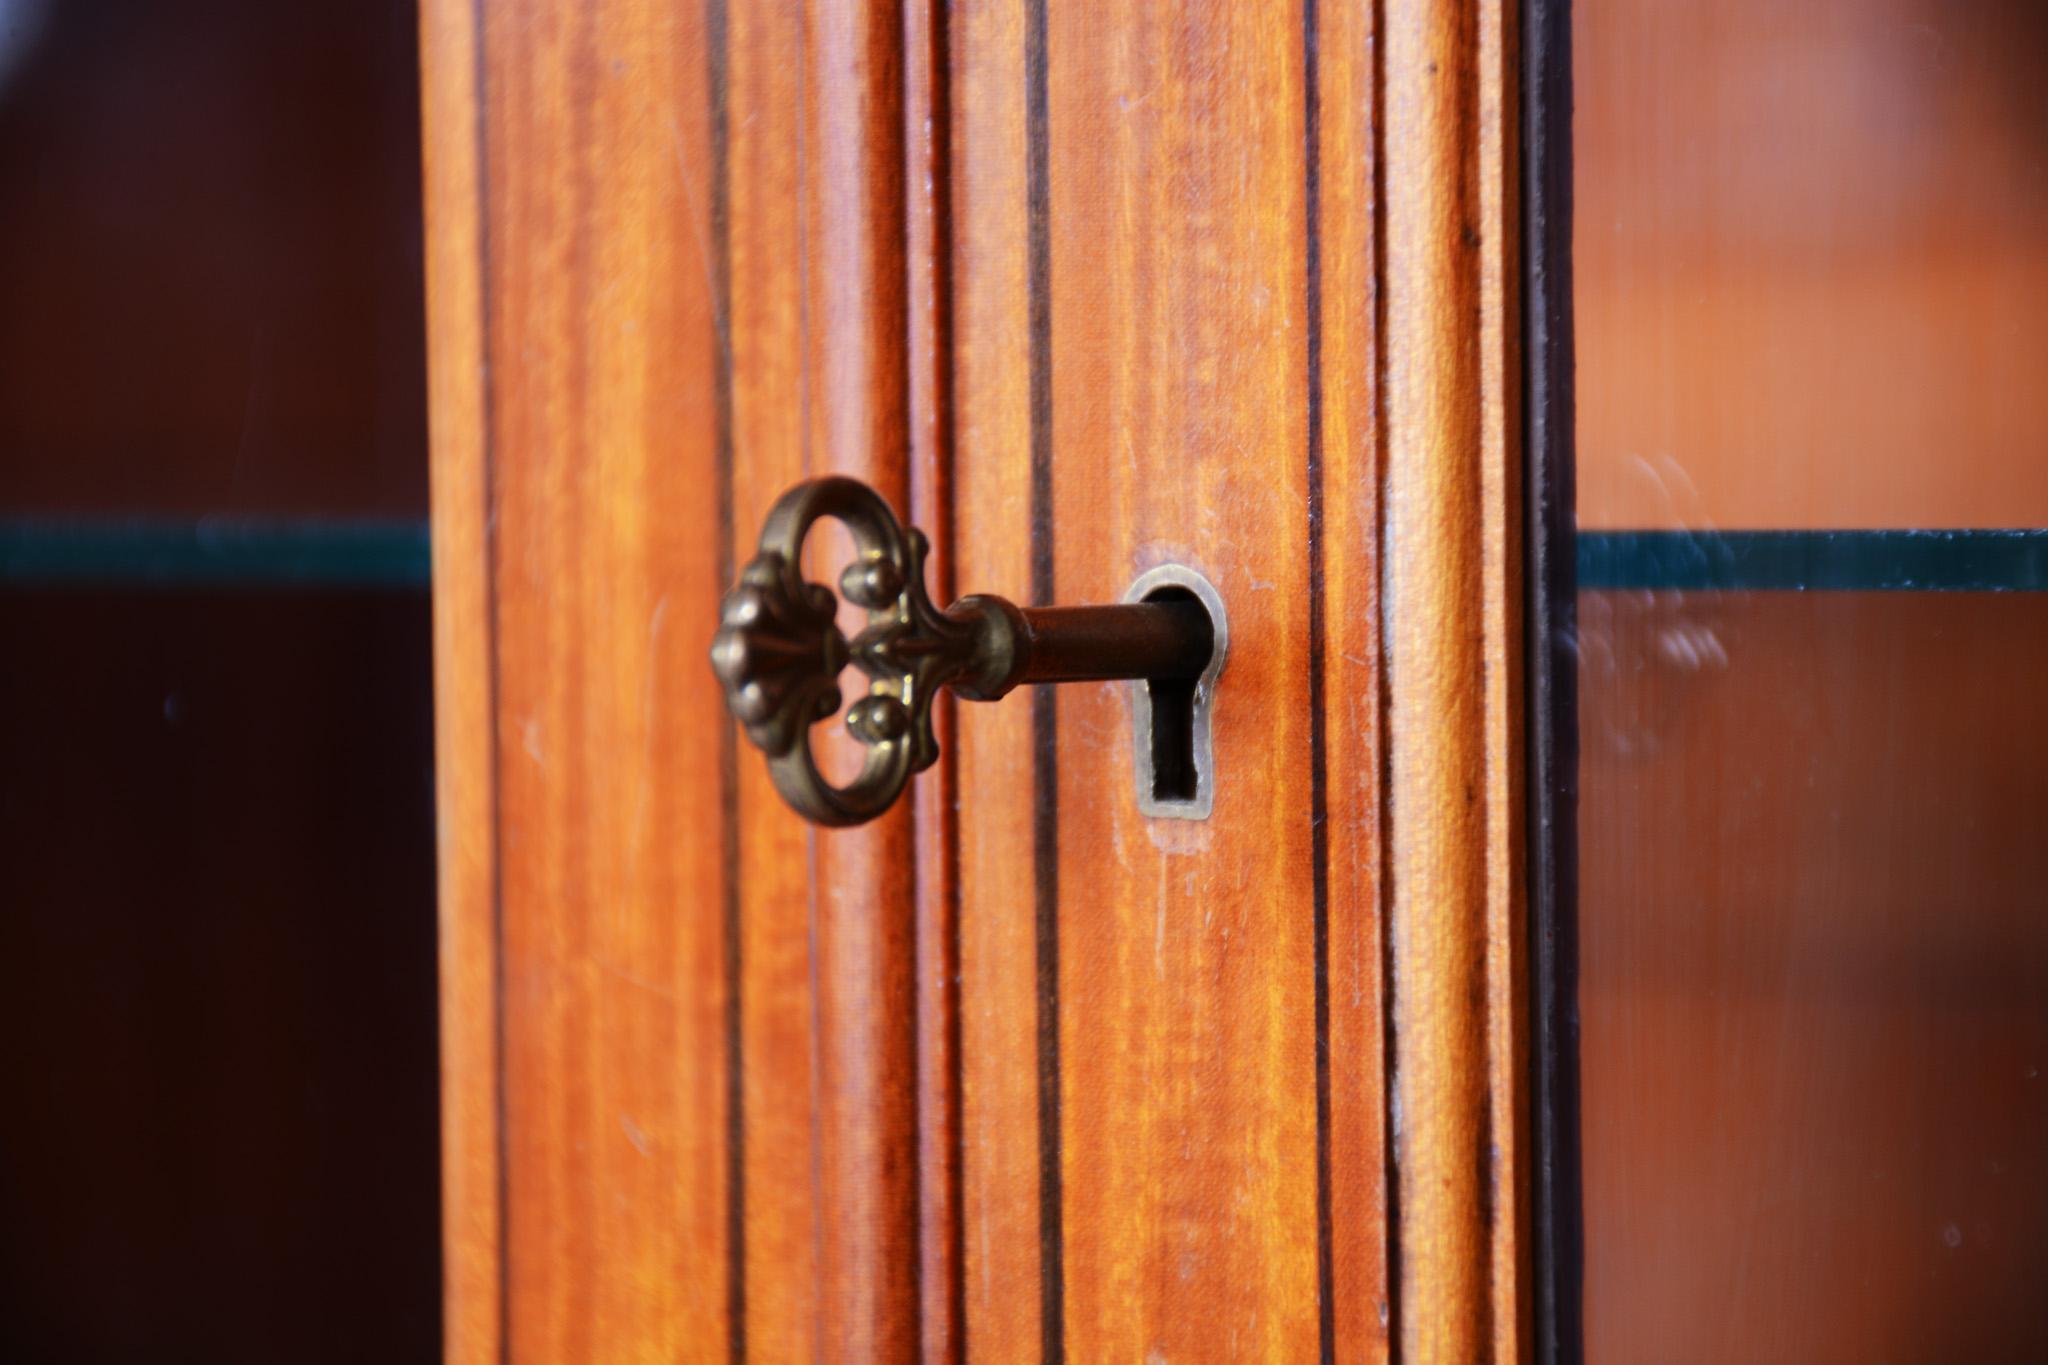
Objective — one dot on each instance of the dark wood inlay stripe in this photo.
(1549, 504)
(1389, 1024)
(717, 44)
(1319, 805)
(1044, 714)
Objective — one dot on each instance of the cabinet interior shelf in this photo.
(215, 552)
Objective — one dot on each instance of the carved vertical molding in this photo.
(1452, 588)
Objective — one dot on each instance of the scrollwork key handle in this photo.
(779, 649)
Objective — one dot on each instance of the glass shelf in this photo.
(215, 552)
(1836, 561)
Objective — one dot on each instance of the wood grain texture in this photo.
(1345, 379)
(764, 243)
(1001, 1179)
(465, 771)
(1179, 387)
(612, 870)
(575, 440)
(1508, 1074)
(928, 268)
(864, 918)
(1019, 1070)
(1453, 716)
(683, 1033)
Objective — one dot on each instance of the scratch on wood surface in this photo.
(654, 988)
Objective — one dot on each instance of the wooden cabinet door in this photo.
(1015, 1072)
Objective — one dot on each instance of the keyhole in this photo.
(1174, 774)
(1175, 760)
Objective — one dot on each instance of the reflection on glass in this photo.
(1812, 280)
(1811, 251)
(1814, 975)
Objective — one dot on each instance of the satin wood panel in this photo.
(1166, 293)
(1089, 295)
(668, 263)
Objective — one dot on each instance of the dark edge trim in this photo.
(1814, 561)
(718, 52)
(1390, 1135)
(1045, 825)
(939, 101)
(485, 319)
(1318, 723)
(887, 17)
(1550, 504)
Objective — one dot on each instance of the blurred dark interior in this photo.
(217, 974)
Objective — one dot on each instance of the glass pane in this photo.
(1811, 255)
(217, 935)
(217, 976)
(210, 251)
(1812, 283)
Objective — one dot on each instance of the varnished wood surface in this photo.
(465, 780)
(929, 317)
(681, 1038)
(1453, 646)
(1172, 1046)
(863, 880)
(1004, 1189)
(1014, 1073)
(578, 575)
(1179, 432)
(763, 240)
(1509, 1152)
(1347, 693)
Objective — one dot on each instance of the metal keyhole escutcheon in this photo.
(779, 650)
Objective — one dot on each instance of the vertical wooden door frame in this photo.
(1452, 583)
(464, 715)
(609, 321)
(547, 139)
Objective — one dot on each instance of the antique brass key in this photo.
(779, 650)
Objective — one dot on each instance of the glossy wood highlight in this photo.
(1021, 1073)
(465, 767)
(864, 917)
(1162, 406)
(763, 240)
(683, 1045)
(573, 349)
(1000, 1083)
(1453, 720)
(1345, 583)
(928, 184)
